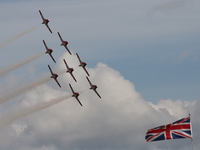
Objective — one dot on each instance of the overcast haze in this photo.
(143, 56)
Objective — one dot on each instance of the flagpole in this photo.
(192, 142)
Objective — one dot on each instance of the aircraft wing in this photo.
(52, 57)
(71, 89)
(48, 28)
(78, 58)
(60, 36)
(73, 77)
(78, 101)
(57, 82)
(68, 49)
(41, 15)
(45, 44)
(86, 71)
(97, 93)
(50, 70)
(89, 81)
(66, 64)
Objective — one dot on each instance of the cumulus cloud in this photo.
(176, 108)
(117, 121)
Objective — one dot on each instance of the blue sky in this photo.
(154, 46)
(147, 50)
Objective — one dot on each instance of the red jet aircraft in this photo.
(45, 21)
(64, 43)
(49, 51)
(93, 87)
(75, 95)
(69, 70)
(82, 64)
(54, 76)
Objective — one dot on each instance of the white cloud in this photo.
(117, 121)
(176, 108)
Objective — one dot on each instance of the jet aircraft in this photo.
(45, 21)
(93, 87)
(75, 94)
(69, 70)
(64, 43)
(82, 64)
(49, 51)
(54, 76)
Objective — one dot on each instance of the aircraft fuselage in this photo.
(94, 87)
(49, 51)
(70, 70)
(46, 21)
(64, 43)
(75, 95)
(83, 64)
(54, 76)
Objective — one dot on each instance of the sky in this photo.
(143, 56)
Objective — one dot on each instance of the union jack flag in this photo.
(176, 130)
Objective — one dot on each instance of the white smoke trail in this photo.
(16, 37)
(8, 95)
(11, 117)
(14, 66)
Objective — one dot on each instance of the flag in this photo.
(176, 130)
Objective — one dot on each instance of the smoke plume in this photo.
(11, 117)
(16, 37)
(10, 94)
(16, 65)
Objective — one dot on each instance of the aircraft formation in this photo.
(69, 70)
